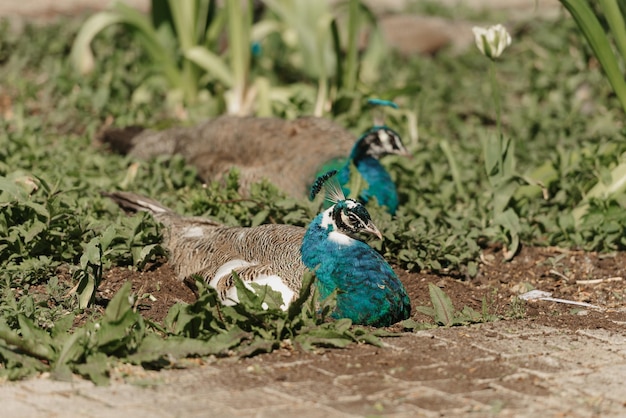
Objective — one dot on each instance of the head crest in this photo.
(377, 113)
(381, 102)
(330, 184)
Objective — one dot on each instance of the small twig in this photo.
(571, 302)
(138, 298)
(72, 291)
(559, 250)
(596, 281)
(484, 260)
(547, 296)
(561, 275)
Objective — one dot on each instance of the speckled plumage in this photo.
(199, 246)
(368, 290)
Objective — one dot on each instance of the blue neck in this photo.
(378, 179)
(368, 291)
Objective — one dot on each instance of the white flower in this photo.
(492, 41)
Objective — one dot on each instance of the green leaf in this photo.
(342, 325)
(594, 34)
(86, 288)
(239, 22)
(96, 367)
(10, 191)
(211, 63)
(260, 217)
(74, 349)
(107, 237)
(120, 305)
(185, 17)
(92, 253)
(414, 325)
(454, 168)
(223, 342)
(38, 208)
(154, 348)
(247, 298)
(356, 184)
(19, 365)
(259, 345)
(492, 153)
(62, 325)
(33, 341)
(426, 310)
(614, 17)
(601, 190)
(81, 54)
(509, 221)
(269, 296)
(444, 310)
(145, 253)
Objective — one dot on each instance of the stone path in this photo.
(504, 369)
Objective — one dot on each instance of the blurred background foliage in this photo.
(228, 55)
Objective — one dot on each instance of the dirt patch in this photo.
(156, 289)
(593, 278)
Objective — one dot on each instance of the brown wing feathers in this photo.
(201, 246)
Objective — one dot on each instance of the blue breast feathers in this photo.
(369, 292)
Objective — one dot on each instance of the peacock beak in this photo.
(370, 228)
(403, 152)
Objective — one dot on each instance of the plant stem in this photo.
(615, 20)
(350, 75)
(496, 96)
(321, 97)
(496, 101)
(454, 168)
(239, 46)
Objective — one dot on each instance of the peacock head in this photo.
(378, 142)
(350, 218)
(345, 216)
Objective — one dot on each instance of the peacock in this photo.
(365, 156)
(368, 291)
(288, 153)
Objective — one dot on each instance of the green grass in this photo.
(560, 111)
